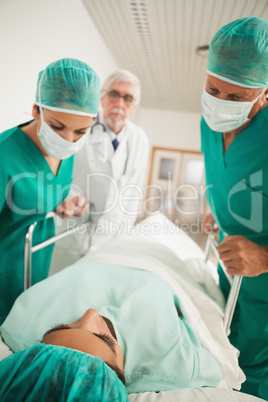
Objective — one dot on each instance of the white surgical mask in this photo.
(56, 146)
(224, 115)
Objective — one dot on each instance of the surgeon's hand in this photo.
(76, 207)
(243, 257)
(210, 225)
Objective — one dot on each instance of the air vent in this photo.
(141, 20)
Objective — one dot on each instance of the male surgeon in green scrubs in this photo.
(234, 131)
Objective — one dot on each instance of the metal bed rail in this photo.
(29, 249)
(235, 283)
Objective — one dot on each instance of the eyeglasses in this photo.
(114, 96)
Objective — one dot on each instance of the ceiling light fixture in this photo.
(202, 50)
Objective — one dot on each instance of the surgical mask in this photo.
(52, 142)
(224, 115)
(55, 145)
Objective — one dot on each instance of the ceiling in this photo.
(157, 41)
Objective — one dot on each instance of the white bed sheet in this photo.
(194, 395)
(4, 350)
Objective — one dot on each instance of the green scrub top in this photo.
(237, 193)
(28, 191)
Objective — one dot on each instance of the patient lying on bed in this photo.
(138, 325)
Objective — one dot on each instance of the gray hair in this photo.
(123, 76)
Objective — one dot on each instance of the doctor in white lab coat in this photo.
(109, 173)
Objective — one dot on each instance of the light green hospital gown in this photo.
(28, 191)
(237, 193)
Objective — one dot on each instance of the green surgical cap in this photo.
(70, 86)
(238, 53)
(55, 373)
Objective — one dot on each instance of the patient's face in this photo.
(91, 334)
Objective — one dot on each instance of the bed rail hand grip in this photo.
(235, 283)
(212, 245)
(208, 246)
(231, 303)
(28, 256)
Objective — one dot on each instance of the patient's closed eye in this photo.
(105, 337)
(56, 327)
(108, 339)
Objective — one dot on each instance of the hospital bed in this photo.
(181, 244)
(211, 245)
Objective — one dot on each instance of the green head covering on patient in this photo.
(54, 373)
(238, 53)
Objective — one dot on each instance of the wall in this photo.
(170, 129)
(33, 34)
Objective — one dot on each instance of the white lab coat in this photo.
(104, 177)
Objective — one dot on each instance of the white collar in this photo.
(119, 136)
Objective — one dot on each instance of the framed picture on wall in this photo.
(192, 169)
(176, 177)
(163, 176)
(165, 164)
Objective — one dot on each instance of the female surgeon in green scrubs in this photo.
(234, 132)
(36, 173)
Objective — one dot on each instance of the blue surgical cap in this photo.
(70, 86)
(238, 53)
(55, 373)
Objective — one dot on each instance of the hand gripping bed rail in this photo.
(235, 283)
(29, 249)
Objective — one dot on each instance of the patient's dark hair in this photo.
(120, 374)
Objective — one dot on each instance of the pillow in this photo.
(161, 350)
(4, 350)
(196, 395)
